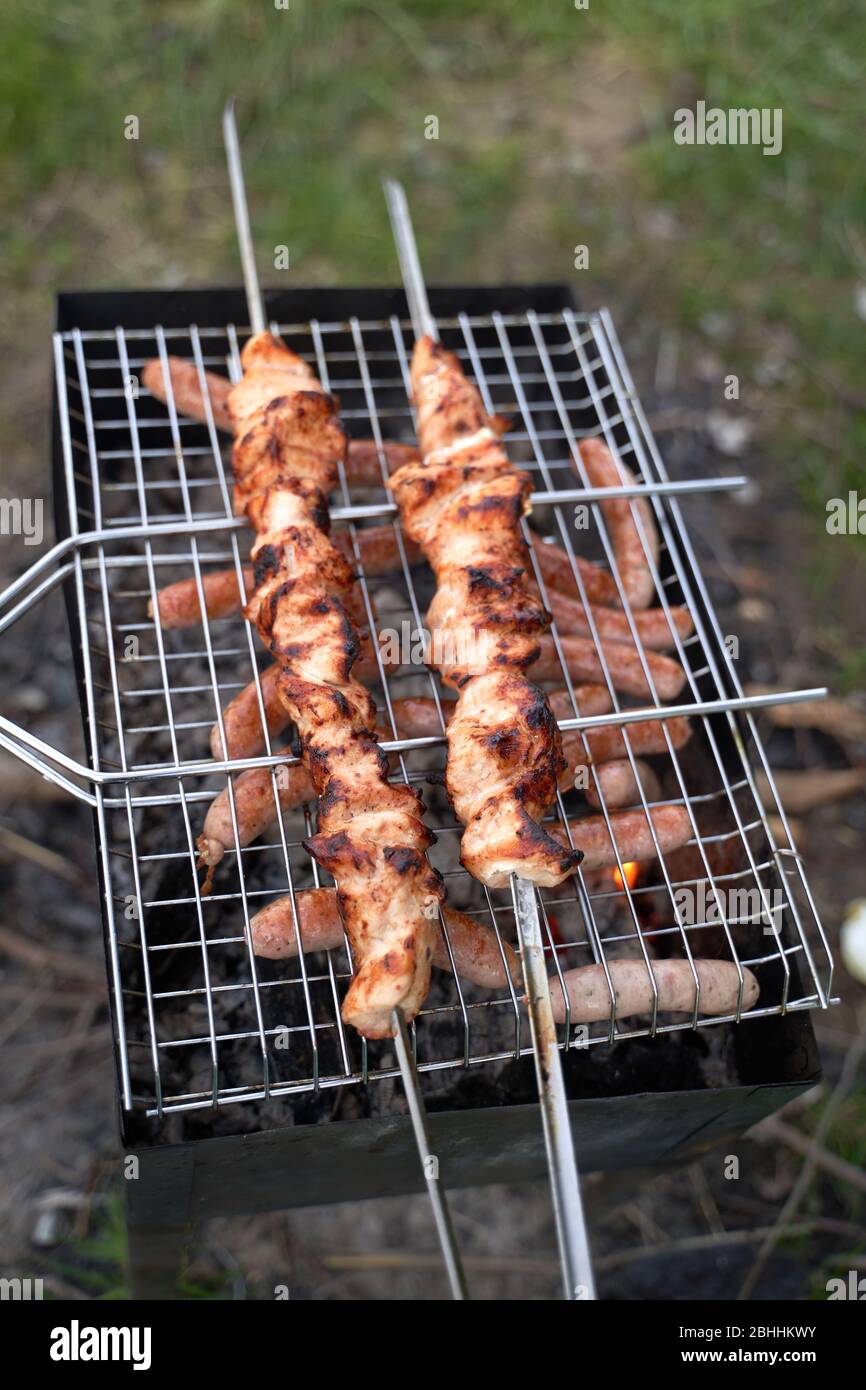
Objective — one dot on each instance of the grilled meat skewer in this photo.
(256, 807)
(363, 468)
(463, 505)
(288, 447)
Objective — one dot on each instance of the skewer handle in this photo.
(423, 322)
(574, 1255)
(429, 1161)
(565, 1185)
(255, 304)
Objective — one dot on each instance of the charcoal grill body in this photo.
(629, 1108)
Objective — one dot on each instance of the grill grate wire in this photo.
(131, 462)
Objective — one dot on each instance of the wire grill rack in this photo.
(199, 1021)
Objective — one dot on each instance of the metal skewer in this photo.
(429, 1161)
(255, 303)
(414, 1098)
(578, 1280)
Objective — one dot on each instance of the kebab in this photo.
(256, 805)
(479, 957)
(462, 505)
(371, 838)
(600, 750)
(179, 605)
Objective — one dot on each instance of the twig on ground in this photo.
(782, 1226)
(776, 1131)
(711, 1242)
(53, 863)
(43, 958)
(705, 1199)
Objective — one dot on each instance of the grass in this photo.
(332, 95)
(96, 1264)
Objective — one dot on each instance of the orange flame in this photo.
(631, 871)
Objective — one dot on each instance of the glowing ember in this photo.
(631, 872)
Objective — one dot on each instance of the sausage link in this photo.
(654, 630)
(186, 390)
(607, 745)
(179, 606)
(555, 567)
(242, 720)
(645, 737)
(623, 662)
(475, 947)
(589, 993)
(590, 699)
(254, 807)
(617, 784)
(631, 558)
(363, 468)
(632, 833)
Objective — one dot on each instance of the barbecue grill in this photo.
(212, 1043)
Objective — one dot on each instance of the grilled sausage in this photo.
(645, 737)
(590, 699)
(555, 567)
(631, 830)
(654, 630)
(363, 465)
(475, 947)
(186, 390)
(607, 745)
(604, 470)
(589, 994)
(254, 807)
(179, 605)
(617, 785)
(242, 720)
(624, 665)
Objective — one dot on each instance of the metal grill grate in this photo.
(201, 1021)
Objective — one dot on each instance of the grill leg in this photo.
(159, 1220)
(157, 1257)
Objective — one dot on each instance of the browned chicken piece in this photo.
(179, 604)
(479, 955)
(463, 506)
(504, 761)
(416, 716)
(371, 837)
(271, 370)
(365, 458)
